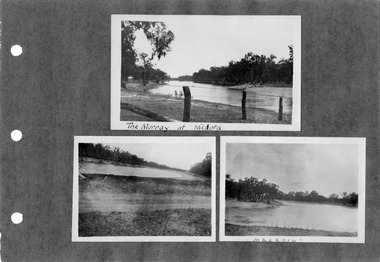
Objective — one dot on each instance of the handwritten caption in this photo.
(165, 128)
(273, 240)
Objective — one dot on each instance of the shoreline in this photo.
(245, 86)
(320, 203)
(238, 230)
(280, 202)
(258, 204)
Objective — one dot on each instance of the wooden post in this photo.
(187, 106)
(280, 109)
(243, 110)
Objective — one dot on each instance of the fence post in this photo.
(243, 110)
(280, 109)
(187, 106)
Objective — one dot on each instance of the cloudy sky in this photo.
(180, 155)
(205, 41)
(326, 168)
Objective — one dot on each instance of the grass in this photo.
(237, 230)
(143, 185)
(168, 222)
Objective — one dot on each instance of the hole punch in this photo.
(16, 50)
(16, 218)
(16, 135)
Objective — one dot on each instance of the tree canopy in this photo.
(139, 64)
(251, 189)
(202, 168)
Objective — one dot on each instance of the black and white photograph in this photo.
(144, 189)
(191, 72)
(292, 189)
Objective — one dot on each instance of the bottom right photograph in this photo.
(292, 189)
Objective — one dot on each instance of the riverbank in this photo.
(237, 230)
(201, 111)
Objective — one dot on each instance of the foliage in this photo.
(139, 64)
(202, 168)
(252, 68)
(251, 189)
(100, 151)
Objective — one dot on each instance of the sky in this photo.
(205, 41)
(179, 155)
(326, 168)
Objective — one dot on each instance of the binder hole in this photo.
(16, 218)
(16, 50)
(16, 135)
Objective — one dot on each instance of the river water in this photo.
(260, 97)
(294, 214)
(109, 169)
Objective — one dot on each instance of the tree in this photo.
(202, 168)
(134, 62)
(251, 189)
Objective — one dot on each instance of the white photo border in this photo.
(117, 124)
(361, 142)
(143, 140)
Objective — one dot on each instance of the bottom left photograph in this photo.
(143, 189)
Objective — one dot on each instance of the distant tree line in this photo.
(313, 196)
(202, 168)
(253, 190)
(252, 68)
(100, 151)
(137, 64)
(185, 78)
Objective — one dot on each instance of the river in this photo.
(109, 169)
(294, 214)
(259, 97)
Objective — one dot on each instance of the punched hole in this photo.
(16, 218)
(16, 135)
(16, 50)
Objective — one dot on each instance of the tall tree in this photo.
(133, 61)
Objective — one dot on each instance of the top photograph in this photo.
(205, 73)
